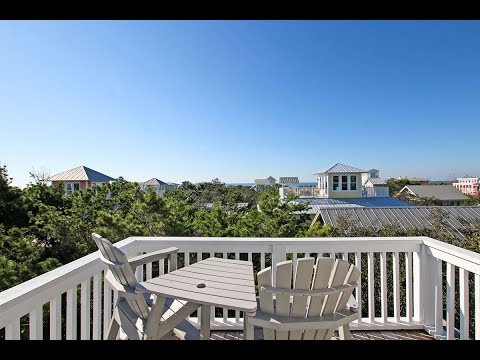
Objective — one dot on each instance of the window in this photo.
(335, 183)
(344, 182)
(96, 184)
(71, 187)
(353, 183)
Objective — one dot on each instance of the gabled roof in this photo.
(288, 180)
(80, 173)
(154, 182)
(271, 178)
(439, 192)
(377, 181)
(341, 168)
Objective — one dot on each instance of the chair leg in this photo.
(114, 326)
(344, 332)
(248, 329)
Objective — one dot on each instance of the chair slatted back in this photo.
(120, 267)
(325, 273)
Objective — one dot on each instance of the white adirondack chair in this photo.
(140, 316)
(319, 303)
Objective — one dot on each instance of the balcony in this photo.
(316, 192)
(407, 284)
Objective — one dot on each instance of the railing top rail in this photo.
(453, 250)
(418, 240)
(54, 278)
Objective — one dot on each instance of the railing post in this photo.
(279, 252)
(431, 288)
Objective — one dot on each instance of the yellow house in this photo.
(340, 181)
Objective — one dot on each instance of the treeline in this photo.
(41, 228)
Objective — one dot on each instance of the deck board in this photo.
(357, 335)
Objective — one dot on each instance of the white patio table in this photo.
(218, 282)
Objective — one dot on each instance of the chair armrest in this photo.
(352, 304)
(152, 256)
(122, 290)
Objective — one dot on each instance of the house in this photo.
(159, 186)
(440, 194)
(415, 180)
(340, 181)
(376, 185)
(288, 180)
(79, 178)
(268, 181)
(468, 185)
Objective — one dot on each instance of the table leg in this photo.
(205, 323)
(248, 329)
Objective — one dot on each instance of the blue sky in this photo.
(238, 100)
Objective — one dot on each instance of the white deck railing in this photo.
(403, 282)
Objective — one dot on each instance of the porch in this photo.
(409, 285)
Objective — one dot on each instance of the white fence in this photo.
(402, 285)
(380, 191)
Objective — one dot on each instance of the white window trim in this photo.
(348, 183)
(73, 186)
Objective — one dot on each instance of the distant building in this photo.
(79, 178)
(288, 180)
(379, 186)
(159, 186)
(414, 180)
(442, 194)
(268, 181)
(468, 185)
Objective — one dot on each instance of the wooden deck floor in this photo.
(358, 335)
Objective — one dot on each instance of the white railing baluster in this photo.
(85, 310)
(237, 313)
(450, 301)
(464, 304)
(36, 323)
(383, 285)
(139, 273)
(358, 264)
(161, 267)
(438, 298)
(477, 306)
(212, 254)
(12, 330)
(225, 311)
(107, 307)
(187, 259)
(56, 318)
(199, 256)
(408, 286)
(249, 256)
(149, 271)
(371, 279)
(71, 327)
(294, 261)
(396, 286)
(97, 306)
(262, 261)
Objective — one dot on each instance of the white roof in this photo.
(80, 173)
(341, 168)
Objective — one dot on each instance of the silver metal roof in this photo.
(377, 181)
(325, 203)
(412, 217)
(153, 182)
(80, 173)
(439, 192)
(341, 168)
(288, 180)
